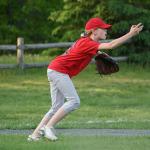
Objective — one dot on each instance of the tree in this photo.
(26, 18)
(70, 20)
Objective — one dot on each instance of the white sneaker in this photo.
(50, 133)
(41, 131)
(33, 138)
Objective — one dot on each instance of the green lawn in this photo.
(19, 142)
(28, 58)
(121, 100)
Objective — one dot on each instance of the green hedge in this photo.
(141, 58)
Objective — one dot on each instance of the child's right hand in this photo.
(136, 29)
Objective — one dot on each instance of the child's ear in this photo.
(94, 32)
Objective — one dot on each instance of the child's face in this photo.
(101, 33)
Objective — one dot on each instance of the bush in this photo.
(53, 52)
(70, 20)
(141, 58)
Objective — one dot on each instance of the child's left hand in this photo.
(136, 29)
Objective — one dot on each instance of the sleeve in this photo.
(92, 47)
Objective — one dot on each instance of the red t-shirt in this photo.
(76, 58)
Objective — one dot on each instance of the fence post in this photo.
(20, 52)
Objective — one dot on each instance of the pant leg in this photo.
(57, 98)
(66, 87)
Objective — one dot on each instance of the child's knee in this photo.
(71, 105)
(76, 105)
(51, 112)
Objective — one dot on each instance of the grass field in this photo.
(121, 100)
(18, 142)
(28, 58)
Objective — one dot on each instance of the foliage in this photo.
(142, 58)
(53, 52)
(46, 21)
(71, 19)
(26, 18)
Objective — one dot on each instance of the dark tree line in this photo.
(64, 20)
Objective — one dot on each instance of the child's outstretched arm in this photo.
(135, 29)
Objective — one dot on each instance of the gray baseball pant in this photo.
(61, 88)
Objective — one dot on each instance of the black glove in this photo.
(105, 65)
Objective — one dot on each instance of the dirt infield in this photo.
(87, 132)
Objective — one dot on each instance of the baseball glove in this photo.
(105, 64)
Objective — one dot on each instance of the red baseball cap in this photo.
(94, 23)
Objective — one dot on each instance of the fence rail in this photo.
(20, 47)
(8, 47)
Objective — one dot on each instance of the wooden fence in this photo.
(20, 47)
